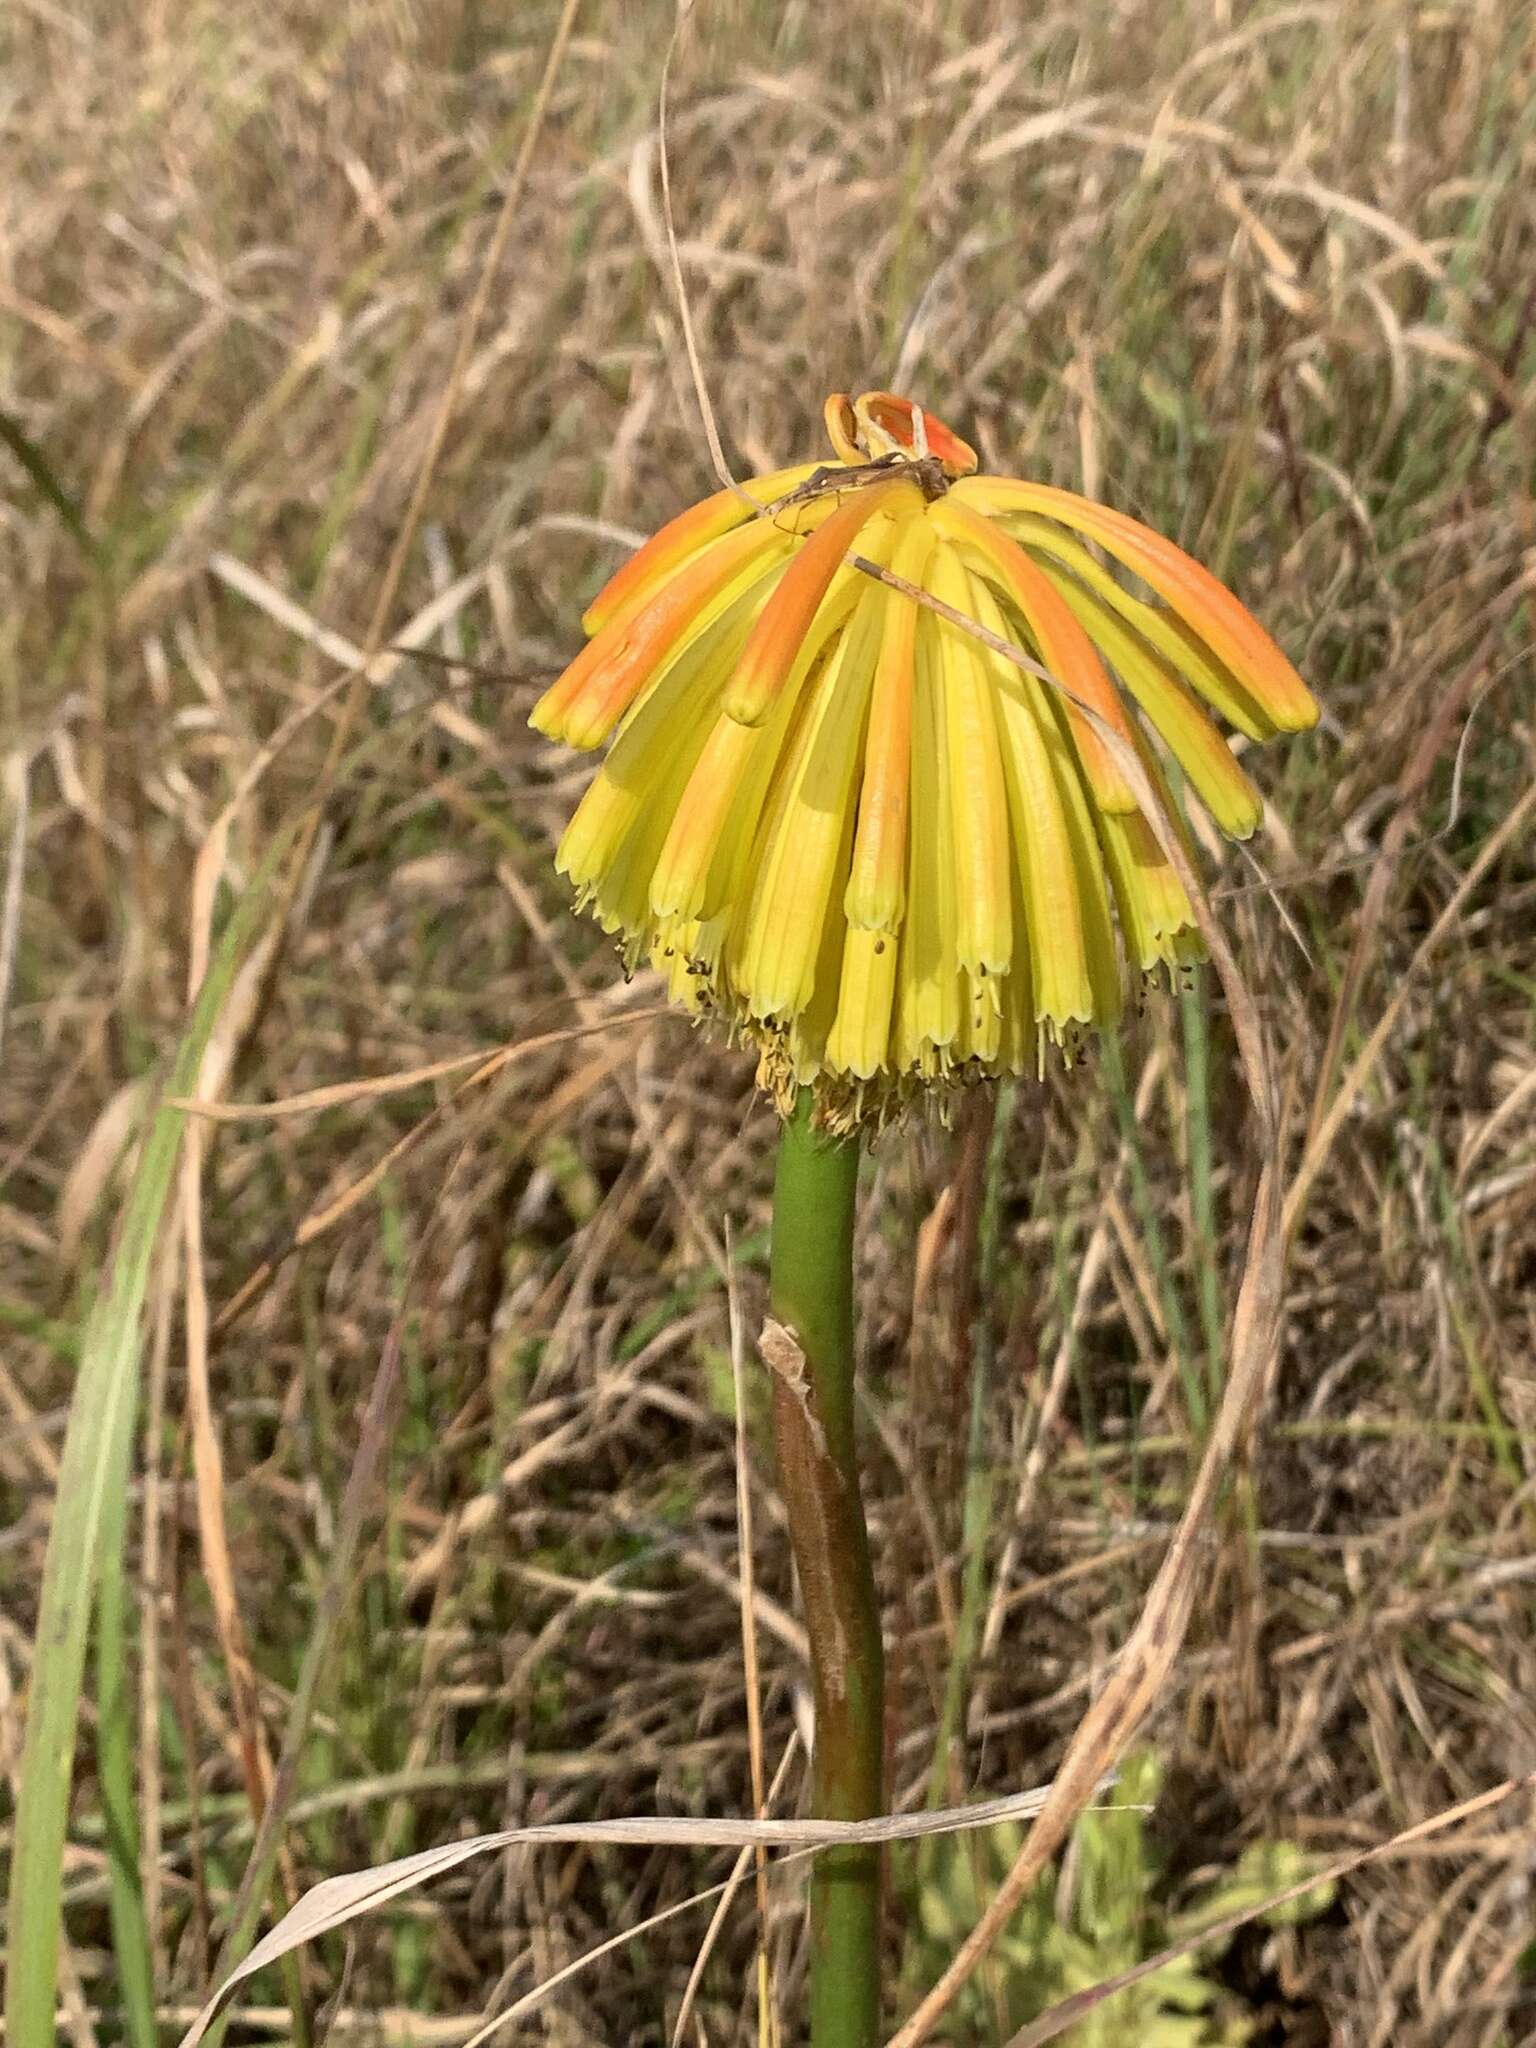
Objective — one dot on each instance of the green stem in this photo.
(132, 1951)
(813, 1416)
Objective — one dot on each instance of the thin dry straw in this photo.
(337, 1900)
(725, 1898)
(685, 311)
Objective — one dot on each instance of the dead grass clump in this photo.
(1263, 280)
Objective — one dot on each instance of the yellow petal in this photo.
(1078, 813)
(978, 802)
(928, 983)
(1156, 625)
(1156, 919)
(655, 749)
(860, 1036)
(813, 1026)
(1218, 777)
(1206, 606)
(637, 580)
(1036, 762)
(1065, 649)
(876, 885)
(787, 616)
(1019, 1044)
(776, 938)
(700, 868)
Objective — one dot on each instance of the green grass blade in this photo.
(93, 1480)
(132, 1953)
(40, 470)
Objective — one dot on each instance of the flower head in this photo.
(859, 833)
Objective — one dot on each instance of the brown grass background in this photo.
(1261, 275)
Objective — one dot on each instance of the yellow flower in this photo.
(860, 836)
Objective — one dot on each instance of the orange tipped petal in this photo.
(1190, 736)
(976, 793)
(1205, 605)
(842, 427)
(583, 705)
(786, 618)
(1064, 647)
(666, 551)
(890, 422)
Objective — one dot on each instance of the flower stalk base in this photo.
(813, 1414)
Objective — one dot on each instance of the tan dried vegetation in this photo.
(1261, 275)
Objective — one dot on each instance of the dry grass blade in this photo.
(337, 1900)
(685, 310)
(96, 1162)
(1411, 787)
(17, 784)
(768, 2020)
(340, 1094)
(327, 1215)
(208, 1480)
